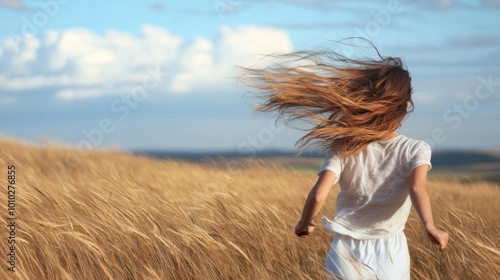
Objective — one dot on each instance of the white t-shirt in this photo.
(374, 199)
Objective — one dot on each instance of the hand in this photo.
(304, 231)
(438, 237)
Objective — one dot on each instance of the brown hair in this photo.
(350, 102)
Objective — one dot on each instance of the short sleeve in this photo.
(421, 156)
(332, 163)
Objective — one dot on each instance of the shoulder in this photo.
(413, 145)
(332, 163)
(331, 154)
(414, 153)
(417, 152)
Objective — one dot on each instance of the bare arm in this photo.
(314, 202)
(422, 204)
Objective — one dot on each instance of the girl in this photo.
(355, 107)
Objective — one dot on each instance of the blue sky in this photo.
(160, 74)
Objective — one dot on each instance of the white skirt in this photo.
(380, 258)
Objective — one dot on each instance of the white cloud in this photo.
(79, 93)
(196, 66)
(250, 43)
(78, 57)
(207, 64)
(78, 63)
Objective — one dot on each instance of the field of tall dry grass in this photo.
(96, 215)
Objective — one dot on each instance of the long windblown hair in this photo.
(350, 102)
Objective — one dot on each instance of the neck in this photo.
(393, 134)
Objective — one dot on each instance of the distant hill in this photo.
(460, 158)
(196, 156)
(467, 165)
(464, 165)
(439, 159)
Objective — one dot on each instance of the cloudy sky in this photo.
(160, 74)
